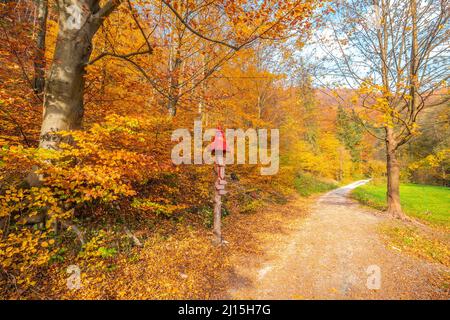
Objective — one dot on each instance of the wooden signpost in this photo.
(219, 149)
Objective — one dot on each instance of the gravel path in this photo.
(336, 253)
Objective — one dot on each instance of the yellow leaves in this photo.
(22, 252)
(183, 265)
(417, 242)
(46, 154)
(104, 163)
(414, 129)
(432, 160)
(157, 208)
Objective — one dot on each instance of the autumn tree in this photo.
(63, 96)
(79, 22)
(391, 53)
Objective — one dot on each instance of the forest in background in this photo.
(110, 189)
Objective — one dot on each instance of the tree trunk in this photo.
(39, 56)
(393, 177)
(174, 89)
(414, 64)
(63, 96)
(172, 106)
(219, 190)
(175, 64)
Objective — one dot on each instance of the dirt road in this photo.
(336, 253)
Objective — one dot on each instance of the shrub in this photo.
(97, 166)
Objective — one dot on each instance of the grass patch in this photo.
(416, 242)
(306, 185)
(427, 203)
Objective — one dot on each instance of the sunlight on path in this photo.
(336, 253)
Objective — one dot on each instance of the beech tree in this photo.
(80, 20)
(63, 96)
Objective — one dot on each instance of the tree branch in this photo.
(115, 55)
(107, 9)
(175, 12)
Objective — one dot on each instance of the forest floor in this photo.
(316, 247)
(336, 252)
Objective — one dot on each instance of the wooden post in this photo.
(219, 190)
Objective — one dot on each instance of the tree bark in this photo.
(39, 56)
(392, 166)
(175, 63)
(393, 177)
(414, 64)
(63, 96)
(173, 93)
(172, 106)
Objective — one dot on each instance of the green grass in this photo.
(306, 185)
(428, 203)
